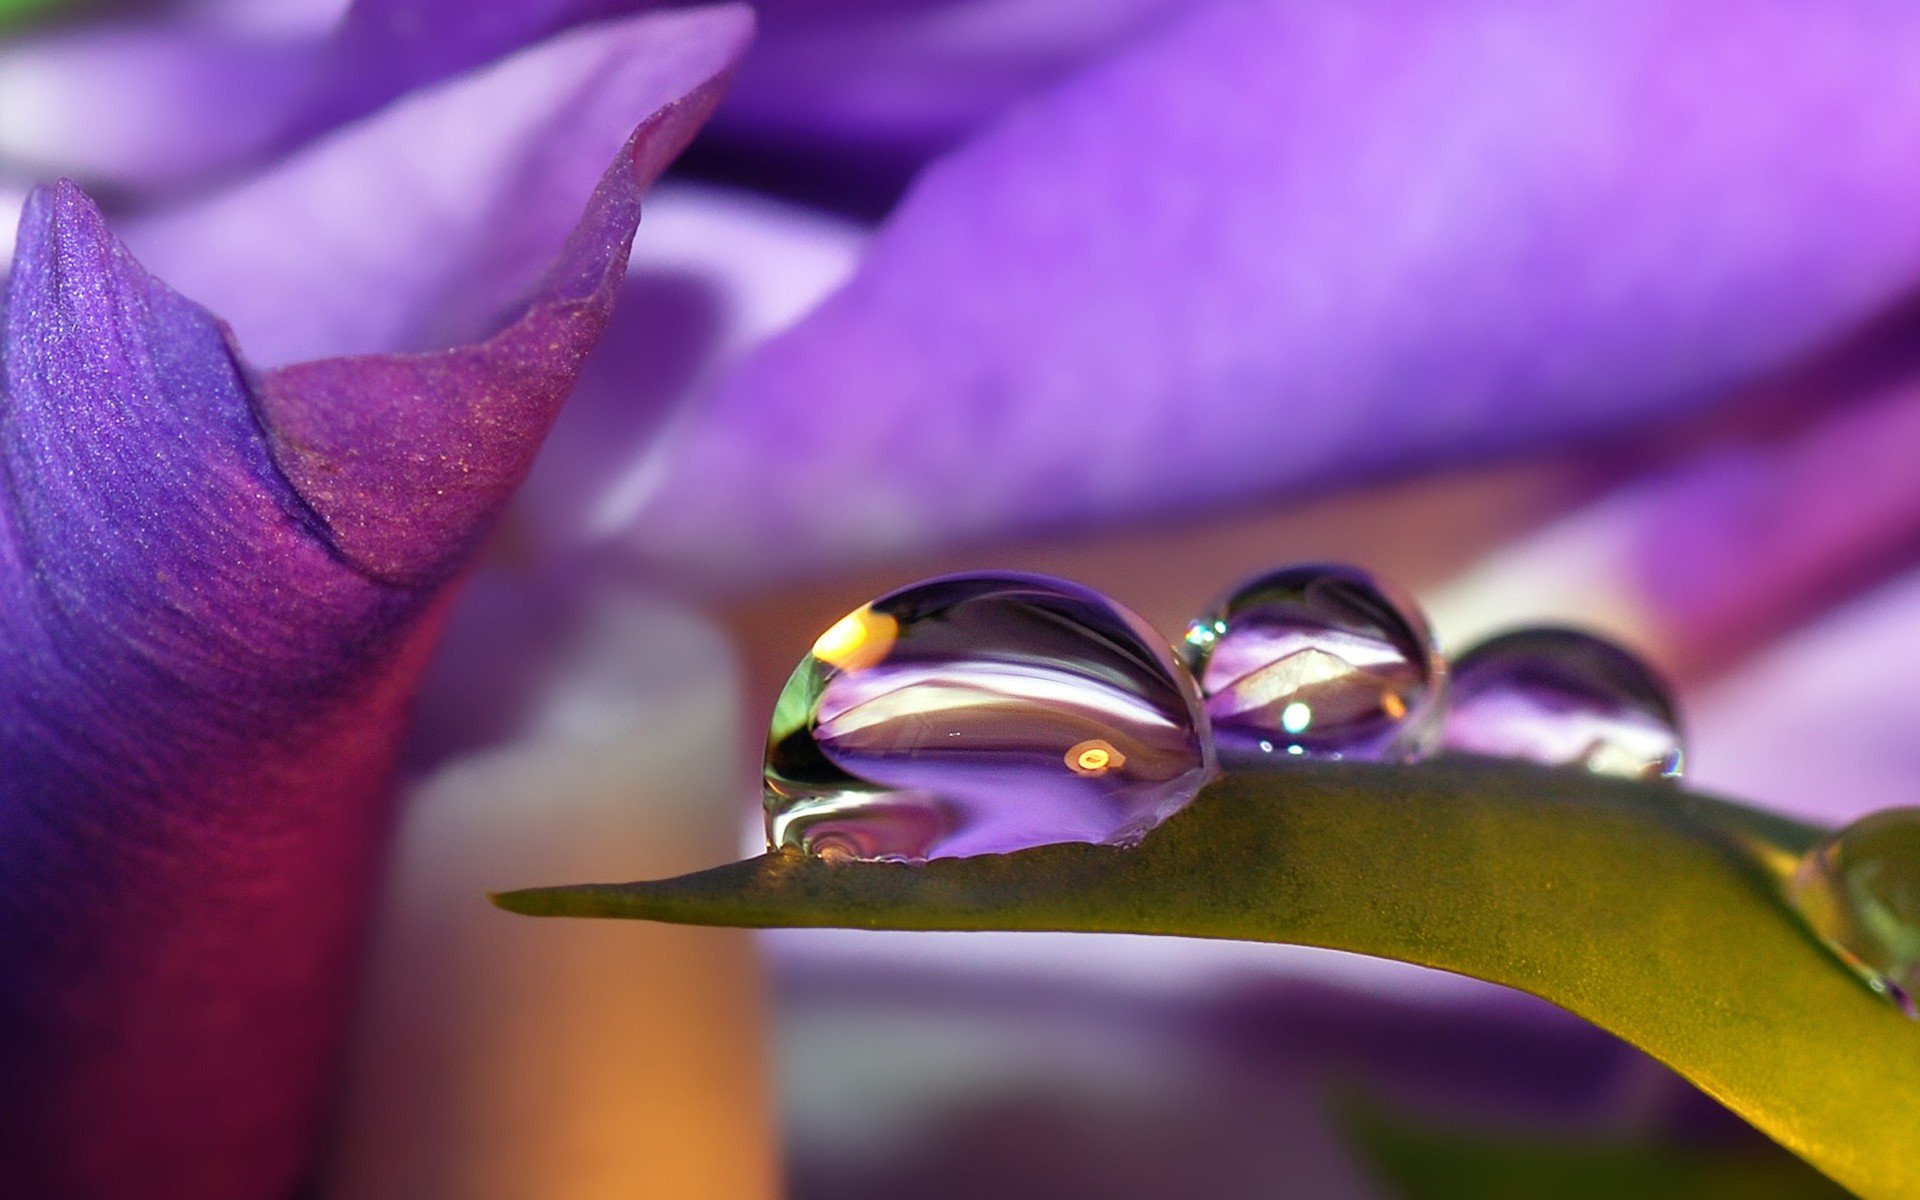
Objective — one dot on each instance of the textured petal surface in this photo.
(215, 617)
(407, 230)
(200, 701)
(1290, 245)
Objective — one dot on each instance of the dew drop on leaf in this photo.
(1859, 890)
(1317, 661)
(979, 714)
(1564, 697)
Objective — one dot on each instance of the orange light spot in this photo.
(1094, 757)
(858, 640)
(1395, 706)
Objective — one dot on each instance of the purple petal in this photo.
(1759, 534)
(873, 88)
(200, 701)
(844, 99)
(1287, 246)
(218, 603)
(713, 274)
(1746, 535)
(144, 106)
(12, 201)
(409, 230)
(1821, 725)
(385, 48)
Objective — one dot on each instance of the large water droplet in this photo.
(1860, 891)
(978, 714)
(1317, 661)
(1565, 698)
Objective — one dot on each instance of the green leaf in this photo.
(1419, 1161)
(14, 12)
(1651, 912)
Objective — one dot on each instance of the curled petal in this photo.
(452, 406)
(176, 862)
(220, 589)
(408, 231)
(1288, 246)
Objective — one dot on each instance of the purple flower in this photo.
(222, 584)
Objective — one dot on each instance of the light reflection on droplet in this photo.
(1564, 697)
(1859, 890)
(1320, 660)
(978, 714)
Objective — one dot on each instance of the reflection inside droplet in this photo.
(1321, 661)
(1859, 890)
(978, 714)
(1564, 697)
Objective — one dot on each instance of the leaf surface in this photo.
(1653, 913)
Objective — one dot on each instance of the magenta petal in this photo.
(1290, 245)
(218, 601)
(200, 702)
(321, 415)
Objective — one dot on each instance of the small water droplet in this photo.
(1859, 890)
(977, 714)
(1321, 659)
(1565, 698)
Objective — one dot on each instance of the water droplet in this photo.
(1320, 661)
(978, 714)
(1565, 698)
(1860, 891)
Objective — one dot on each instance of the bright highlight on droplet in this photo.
(1320, 661)
(1094, 757)
(858, 640)
(937, 721)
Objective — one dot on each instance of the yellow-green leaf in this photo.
(1651, 912)
(1421, 1160)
